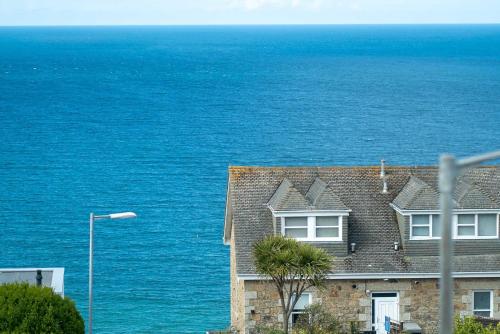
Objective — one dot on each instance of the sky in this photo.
(180, 12)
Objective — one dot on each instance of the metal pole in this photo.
(91, 269)
(447, 175)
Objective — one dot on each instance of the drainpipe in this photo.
(39, 277)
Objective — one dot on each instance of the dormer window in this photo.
(465, 226)
(295, 227)
(425, 226)
(476, 226)
(312, 228)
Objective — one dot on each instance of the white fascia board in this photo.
(306, 213)
(430, 212)
(228, 221)
(58, 281)
(494, 274)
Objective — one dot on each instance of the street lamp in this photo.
(121, 215)
(449, 169)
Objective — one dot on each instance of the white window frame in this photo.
(290, 320)
(455, 225)
(311, 227)
(482, 310)
(476, 228)
(423, 237)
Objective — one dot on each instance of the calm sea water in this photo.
(147, 119)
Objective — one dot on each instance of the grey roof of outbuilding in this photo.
(372, 223)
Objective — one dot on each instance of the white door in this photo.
(384, 306)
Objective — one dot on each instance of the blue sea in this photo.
(147, 119)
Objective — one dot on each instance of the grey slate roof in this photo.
(372, 223)
(287, 198)
(418, 195)
(322, 197)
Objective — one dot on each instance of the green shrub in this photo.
(316, 320)
(30, 309)
(469, 325)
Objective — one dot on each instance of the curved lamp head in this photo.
(122, 215)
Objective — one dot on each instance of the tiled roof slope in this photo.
(287, 198)
(372, 222)
(322, 197)
(418, 195)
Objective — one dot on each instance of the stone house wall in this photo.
(350, 300)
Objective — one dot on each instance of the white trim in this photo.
(311, 228)
(362, 276)
(311, 213)
(438, 211)
(474, 302)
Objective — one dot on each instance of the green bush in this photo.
(26, 308)
(469, 325)
(316, 320)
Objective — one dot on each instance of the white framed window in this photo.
(483, 303)
(300, 306)
(465, 226)
(327, 227)
(295, 227)
(425, 226)
(476, 226)
(312, 228)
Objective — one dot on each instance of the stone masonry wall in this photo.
(350, 300)
(237, 291)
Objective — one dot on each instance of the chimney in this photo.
(383, 176)
(39, 277)
(382, 168)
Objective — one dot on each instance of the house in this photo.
(381, 225)
(49, 277)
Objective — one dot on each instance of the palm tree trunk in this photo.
(285, 321)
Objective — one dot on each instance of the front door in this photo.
(384, 304)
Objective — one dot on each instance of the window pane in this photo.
(420, 219)
(465, 219)
(466, 231)
(327, 232)
(485, 314)
(420, 231)
(436, 225)
(327, 221)
(482, 300)
(302, 302)
(487, 225)
(296, 232)
(295, 221)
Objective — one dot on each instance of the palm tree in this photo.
(293, 266)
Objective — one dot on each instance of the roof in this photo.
(419, 195)
(51, 277)
(372, 223)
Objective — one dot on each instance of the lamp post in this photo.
(449, 169)
(121, 215)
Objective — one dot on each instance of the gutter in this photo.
(346, 276)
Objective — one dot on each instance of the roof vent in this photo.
(384, 189)
(382, 168)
